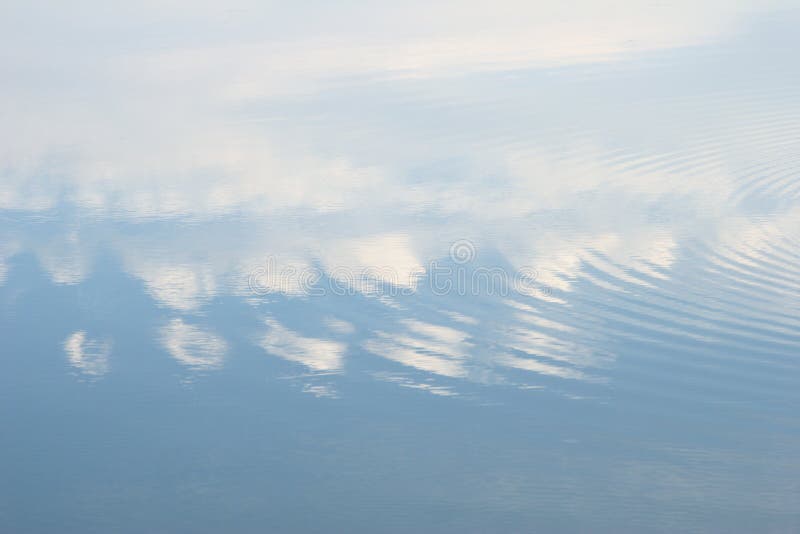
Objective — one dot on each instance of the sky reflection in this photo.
(259, 168)
(310, 226)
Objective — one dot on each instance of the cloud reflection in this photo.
(87, 355)
(578, 142)
(193, 347)
(319, 355)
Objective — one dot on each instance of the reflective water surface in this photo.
(460, 267)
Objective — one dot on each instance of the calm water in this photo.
(425, 268)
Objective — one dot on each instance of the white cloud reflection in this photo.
(152, 127)
(319, 355)
(193, 347)
(428, 347)
(368, 138)
(87, 355)
(182, 287)
(7, 250)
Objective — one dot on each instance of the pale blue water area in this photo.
(353, 267)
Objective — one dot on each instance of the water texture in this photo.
(361, 267)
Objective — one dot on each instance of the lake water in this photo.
(359, 267)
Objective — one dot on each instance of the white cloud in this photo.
(86, 355)
(316, 354)
(373, 262)
(193, 347)
(180, 287)
(7, 250)
(428, 347)
(65, 259)
(339, 326)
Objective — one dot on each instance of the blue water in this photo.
(347, 267)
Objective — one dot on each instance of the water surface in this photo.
(438, 268)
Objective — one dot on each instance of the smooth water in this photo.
(359, 267)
